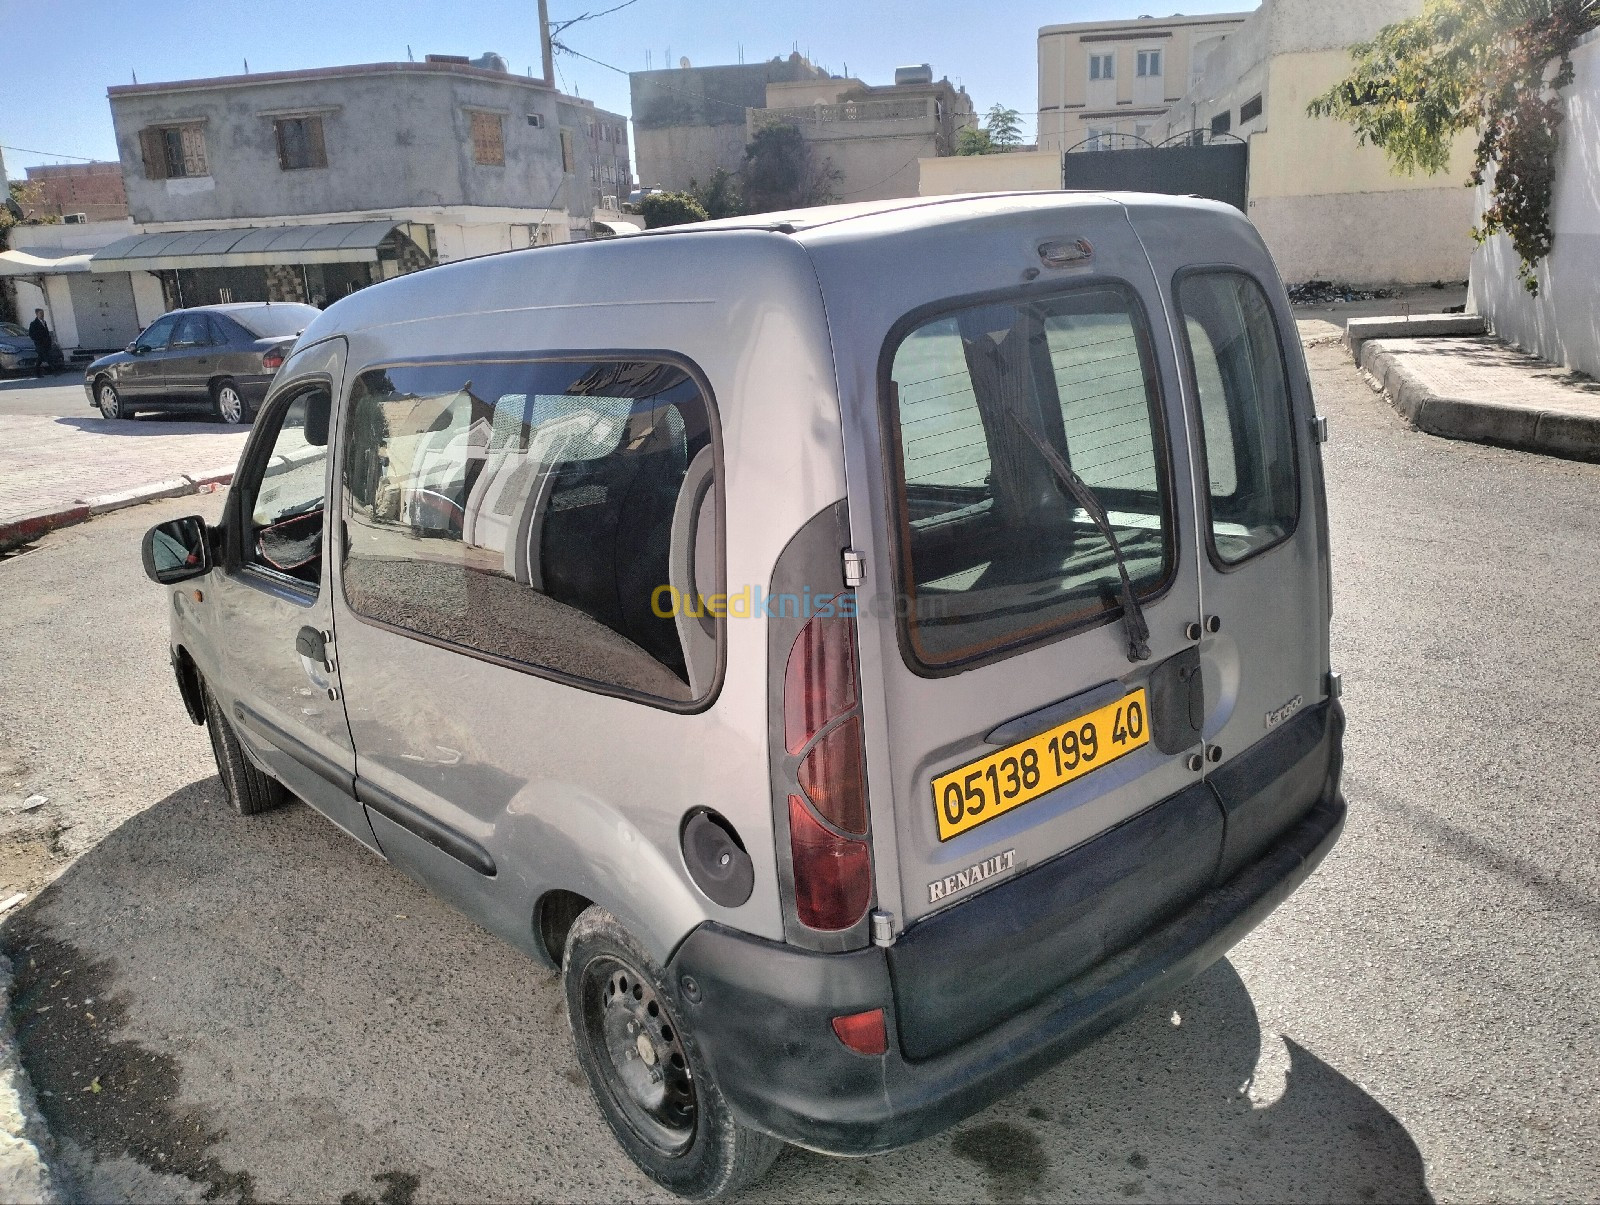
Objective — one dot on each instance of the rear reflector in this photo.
(832, 874)
(864, 1032)
(834, 778)
(819, 682)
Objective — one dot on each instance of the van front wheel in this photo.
(645, 1068)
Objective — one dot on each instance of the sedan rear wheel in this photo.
(108, 400)
(228, 402)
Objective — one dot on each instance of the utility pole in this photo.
(544, 44)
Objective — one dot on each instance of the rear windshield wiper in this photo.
(1132, 614)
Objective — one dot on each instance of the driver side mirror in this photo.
(177, 550)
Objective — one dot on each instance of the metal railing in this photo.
(849, 111)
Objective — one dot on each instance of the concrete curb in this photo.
(1411, 326)
(16, 532)
(1527, 428)
(25, 1174)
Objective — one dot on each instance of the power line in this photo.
(565, 49)
(27, 150)
(558, 26)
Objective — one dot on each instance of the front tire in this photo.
(228, 404)
(646, 1071)
(249, 790)
(108, 400)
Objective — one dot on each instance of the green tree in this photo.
(1481, 65)
(670, 209)
(1004, 126)
(974, 140)
(780, 172)
(720, 197)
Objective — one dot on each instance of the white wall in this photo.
(63, 319)
(1562, 323)
(149, 302)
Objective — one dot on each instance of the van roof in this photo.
(928, 211)
(614, 271)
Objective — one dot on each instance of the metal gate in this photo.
(104, 309)
(1194, 163)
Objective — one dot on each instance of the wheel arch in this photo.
(553, 918)
(188, 675)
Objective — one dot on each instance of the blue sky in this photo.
(57, 57)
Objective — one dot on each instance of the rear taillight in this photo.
(832, 862)
(273, 360)
(832, 874)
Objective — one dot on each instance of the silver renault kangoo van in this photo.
(867, 652)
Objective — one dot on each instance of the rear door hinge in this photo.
(1319, 429)
(855, 567)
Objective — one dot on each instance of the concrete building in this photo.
(1327, 207)
(1119, 77)
(92, 190)
(1561, 323)
(873, 136)
(307, 185)
(690, 121)
(1012, 171)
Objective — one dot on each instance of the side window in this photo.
(284, 508)
(550, 513)
(1245, 412)
(157, 334)
(192, 331)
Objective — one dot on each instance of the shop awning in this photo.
(245, 247)
(37, 263)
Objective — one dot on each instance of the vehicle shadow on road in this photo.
(147, 424)
(263, 1008)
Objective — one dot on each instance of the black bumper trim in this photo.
(763, 1010)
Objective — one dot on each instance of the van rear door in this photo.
(1264, 578)
(1006, 721)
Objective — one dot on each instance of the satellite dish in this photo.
(684, 62)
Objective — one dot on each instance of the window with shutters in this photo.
(1222, 122)
(174, 152)
(300, 143)
(488, 139)
(1250, 109)
(566, 152)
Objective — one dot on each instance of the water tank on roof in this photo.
(922, 73)
(490, 61)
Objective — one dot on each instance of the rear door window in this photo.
(1252, 489)
(995, 552)
(537, 512)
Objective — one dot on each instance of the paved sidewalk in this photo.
(58, 471)
(1477, 388)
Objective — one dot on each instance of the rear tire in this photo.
(228, 404)
(646, 1071)
(249, 790)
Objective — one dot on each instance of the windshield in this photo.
(995, 550)
(274, 321)
(12, 329)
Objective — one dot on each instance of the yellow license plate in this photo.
(994, 785)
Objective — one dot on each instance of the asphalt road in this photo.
(261, 1008)
(60, 394)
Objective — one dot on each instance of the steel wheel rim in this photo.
(231, 404)
(640, 1054)
(108, 401)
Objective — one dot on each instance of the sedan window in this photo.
(158, 332)
(193, 331)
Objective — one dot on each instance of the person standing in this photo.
(43, 341)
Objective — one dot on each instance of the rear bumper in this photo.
(762, 1010)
